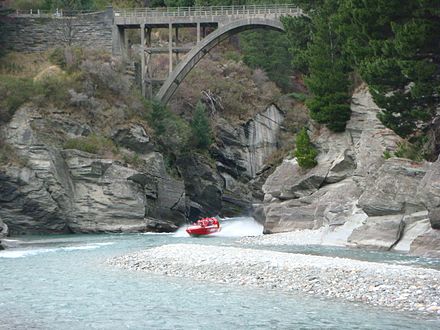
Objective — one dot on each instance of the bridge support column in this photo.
(118, 41)
(198, 32)
(170, 47)
(177, 44)
(143, 59)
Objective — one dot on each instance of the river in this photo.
(62, 282)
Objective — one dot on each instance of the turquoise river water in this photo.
(62, 282)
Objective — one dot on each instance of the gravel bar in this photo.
(395, 286)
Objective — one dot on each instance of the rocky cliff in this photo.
(356, 197)
(67, 190)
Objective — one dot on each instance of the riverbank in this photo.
(403, 288)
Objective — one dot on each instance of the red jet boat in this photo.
(203, 227)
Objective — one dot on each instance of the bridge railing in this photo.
(52, 13)
(245, 10)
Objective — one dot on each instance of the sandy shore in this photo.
(399, 287)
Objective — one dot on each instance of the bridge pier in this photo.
(142, 50)
(118, 41)
(227, 20)
(170, 47)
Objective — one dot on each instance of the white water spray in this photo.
(231, 227)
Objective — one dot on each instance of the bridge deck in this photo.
(191, 15)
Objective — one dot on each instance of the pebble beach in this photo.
(403, 288)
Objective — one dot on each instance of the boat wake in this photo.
(20, 253)
(231, 227)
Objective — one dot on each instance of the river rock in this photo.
(427, 244)
(354, 193)
(393, 188)
(378, 232)
(429, 193)
(133, 137)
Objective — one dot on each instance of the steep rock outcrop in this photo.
(203, 185)
(429, 193)
(70, 190)
(243, 150)
(382, 204)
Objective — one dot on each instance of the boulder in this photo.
(133, 137)
(331, 206)
(427, 244)
(429, 193)
(290, 181)
(378, 232)
(393, 189)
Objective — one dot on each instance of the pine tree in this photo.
(201, 135)
(305, 152)
(156, 117)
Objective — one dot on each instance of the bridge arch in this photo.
(204, 46)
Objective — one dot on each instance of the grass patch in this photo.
(410, 151)
(298, 96)
(13, 93)
(94, 144)
(133, 159)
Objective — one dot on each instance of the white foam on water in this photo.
(181, 232)
(85, 247)
(239, 227)
(23, 253)
(20, 253)
(231, 227)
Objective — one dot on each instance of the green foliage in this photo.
(233, 56)
(170, 130)
(56, 57)
(157, 117)
(94, 144)
(305, 152)
(387, 154)
(395, 46)
(268, 50)
(201, 133)
(298, 96)
(55, 89)
(317, 48)
(410, 151)
(133, 159)
(13, 93)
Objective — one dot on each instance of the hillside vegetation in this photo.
(391, 45)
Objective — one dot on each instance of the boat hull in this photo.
(202, 231)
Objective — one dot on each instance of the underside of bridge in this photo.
(210, 30)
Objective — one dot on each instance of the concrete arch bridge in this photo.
(223, 21)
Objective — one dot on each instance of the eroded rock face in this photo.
(385, 204)
(203, 185)
(427, 244)
(429, 193)
(378, 232)
(244, 149)
(392, 189)
(133, 137)
(4, 230)
(74, 191)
